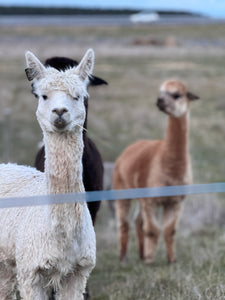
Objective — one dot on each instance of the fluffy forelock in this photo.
(67, 81)
(173, 85)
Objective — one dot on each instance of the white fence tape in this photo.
(114, 194)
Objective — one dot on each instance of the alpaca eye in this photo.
(44, 97)
(176, 96)
(76, 98)
(35, 95)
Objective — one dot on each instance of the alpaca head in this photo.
(174, 98)
(61, 93)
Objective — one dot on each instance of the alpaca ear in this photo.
(86, 66)
(94, 80)
(35, 69)
(192, 96)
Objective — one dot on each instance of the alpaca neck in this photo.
(175, 148)
(63, 164)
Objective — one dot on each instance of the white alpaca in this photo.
(49, 246)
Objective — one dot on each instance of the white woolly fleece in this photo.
(52, 245)
(31, 237)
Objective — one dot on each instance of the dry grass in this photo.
(197, 274)
(125, 110)
(121, 113)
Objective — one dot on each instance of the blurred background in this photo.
(138, 45)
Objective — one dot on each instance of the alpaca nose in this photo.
(160, 101)
(60, 111)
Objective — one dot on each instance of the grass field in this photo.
(197, 274)
(135, 60)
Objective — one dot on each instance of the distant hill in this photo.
(23, 10)
(29, 10)
(177, 13)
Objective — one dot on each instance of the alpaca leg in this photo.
(73, 286)
(122, 211)
(32, 292)
(31, 288)
(170, 220)
(140, 234)
(151, 231)
(7, 282)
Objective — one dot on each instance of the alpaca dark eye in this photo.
(176, 96)
(44, 97)
(76, 98)
(35, 95)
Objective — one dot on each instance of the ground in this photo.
(135, 60)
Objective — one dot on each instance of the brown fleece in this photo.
(156, 163)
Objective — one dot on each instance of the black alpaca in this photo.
(92, 161)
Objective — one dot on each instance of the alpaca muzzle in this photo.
(59, 115)
(60, 123)
(161, 104)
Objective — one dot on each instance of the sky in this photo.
(213, 8)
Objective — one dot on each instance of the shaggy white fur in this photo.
(49, 246)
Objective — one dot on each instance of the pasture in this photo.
(135, 60)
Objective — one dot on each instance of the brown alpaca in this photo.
(156, 163)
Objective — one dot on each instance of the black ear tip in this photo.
(97, 80)
(192, 96)
(104, 82)
(196, 97)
